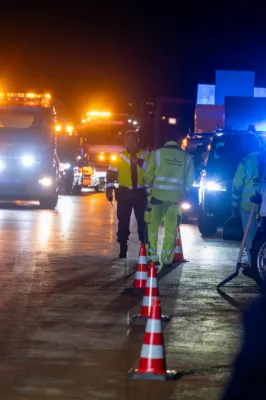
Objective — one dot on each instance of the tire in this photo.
(68, 189)
(185, 219)
(49, 203)
(207, 225)
(77, 190)
(257, 265)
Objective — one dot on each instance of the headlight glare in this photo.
(28, 161)
(45, 181)
(212, 185)
(66, 166)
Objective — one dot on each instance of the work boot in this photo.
(123, 250)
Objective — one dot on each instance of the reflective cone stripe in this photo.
(178, 256)
(142, 269)
(142, 260)
(152, 356)
(151, 292)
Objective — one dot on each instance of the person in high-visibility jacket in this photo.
(169, 174)
(131, 193)
(246, 182)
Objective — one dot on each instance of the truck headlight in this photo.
(215, 186)
(45, 181)
(28, 161)
(2, 165)
(185, 206)
(66, 166)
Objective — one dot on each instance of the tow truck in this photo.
(28, 159)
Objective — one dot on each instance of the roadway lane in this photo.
(65, 328)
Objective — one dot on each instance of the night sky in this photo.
(81, 51)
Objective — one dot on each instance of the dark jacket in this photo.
(248, 379)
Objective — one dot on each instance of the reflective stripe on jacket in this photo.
(169, 172)
(246, 181)
(119, 171)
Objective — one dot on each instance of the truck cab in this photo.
(29, 164)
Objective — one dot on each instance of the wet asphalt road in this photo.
(65, 319)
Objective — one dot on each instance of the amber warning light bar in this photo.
(26, 98)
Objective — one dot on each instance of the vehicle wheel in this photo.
(49, 203)
(77, 190)
(207, 225)
(258, 258)
(184, 219)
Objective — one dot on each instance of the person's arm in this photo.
(111, 178)
(238, 183)
(190, 177)
(150, 169)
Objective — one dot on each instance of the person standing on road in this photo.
(169, 174)
(245, 183)
(131, 193)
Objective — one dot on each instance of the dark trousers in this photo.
(128, 200)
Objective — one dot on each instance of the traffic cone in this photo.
(142, 270)
(152, 364)
(178, 256)
(151, 292)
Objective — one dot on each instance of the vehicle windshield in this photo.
(67, 148)
(104, 135)
(28, 118)
(199, 155)
(226, 148)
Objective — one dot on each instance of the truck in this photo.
(102, 138)
(208, 117)
(29, 166)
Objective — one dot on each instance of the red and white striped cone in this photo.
(178, 256)
(142, 270)
(152, 364)
(151, 292)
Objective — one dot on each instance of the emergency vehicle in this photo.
(28, 159)
(226, 151)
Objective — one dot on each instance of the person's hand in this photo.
(109, 194)
(134, 159)
(257, 199)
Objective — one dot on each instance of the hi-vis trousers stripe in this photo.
(152, 352)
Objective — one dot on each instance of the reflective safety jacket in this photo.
(120, 171)
(169, 173)
(247, 180)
